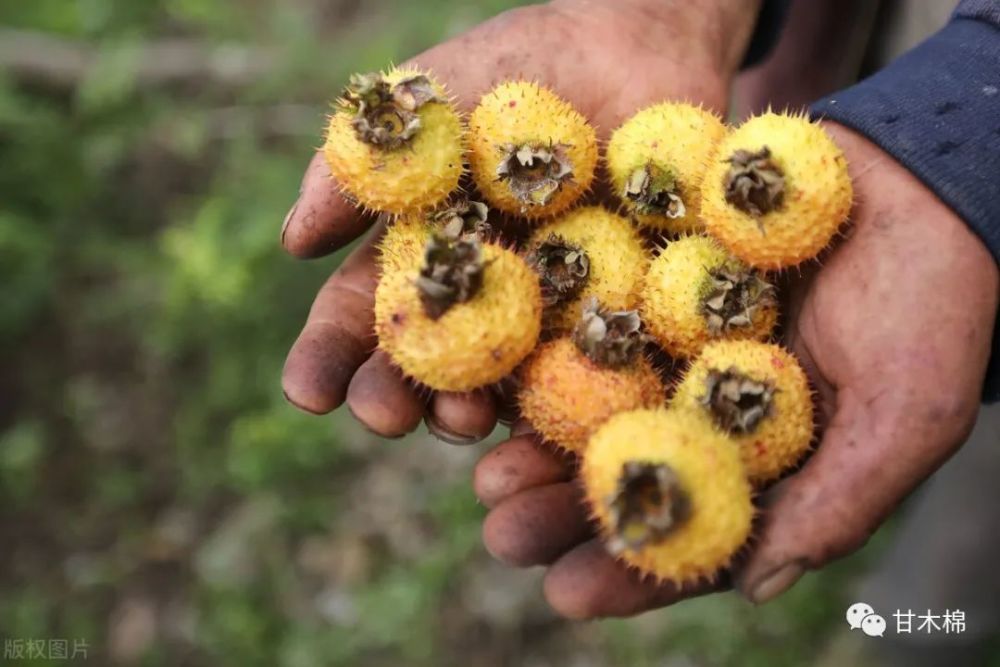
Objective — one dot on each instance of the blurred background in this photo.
(159, 500)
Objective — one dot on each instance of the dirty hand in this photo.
(894, 329)
(609, 58)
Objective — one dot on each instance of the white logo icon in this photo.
(857, 612)
(873, 625)
(861, 615)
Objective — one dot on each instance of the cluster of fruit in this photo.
(579, 303)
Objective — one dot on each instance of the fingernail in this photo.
(288, 218)
(776, 583)
(435, 428)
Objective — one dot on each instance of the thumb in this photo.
(882, 442)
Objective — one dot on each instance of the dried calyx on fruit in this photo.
(758, 396)
(452, 273)
(611, 339)
(534, 172)
(777, 192)
(648, 504)
(654, 191)
(754, 183)
(695, 293)
(733, 296)
(531, 154)
(563, 269)
(738, 403)
(656, 162)
(669, 493)
(385, 114)
(463, 219)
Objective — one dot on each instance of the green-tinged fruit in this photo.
(695, 292)
(657, 160)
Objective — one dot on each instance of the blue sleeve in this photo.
(936, 110)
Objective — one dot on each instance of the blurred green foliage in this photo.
(158, 497)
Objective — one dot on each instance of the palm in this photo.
(895, 340)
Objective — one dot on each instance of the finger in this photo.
(461, 419)
(321, 220)
(536, 526)
(521, 427)
(382, 399)
(517, 465)
(337, 337)
(846, 490)
(589, 583)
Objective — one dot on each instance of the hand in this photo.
(894, 329)
(609, 58)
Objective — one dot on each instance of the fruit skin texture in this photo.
(673, 292)
(677, 138)
(618, 260)
(817, 197)
(473, 344)
(710, 472)
(522, 112)
(402, 245)
(565, 396)
(781, 438)
(414, 177)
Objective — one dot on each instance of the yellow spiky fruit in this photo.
(530, 152)
(777, 191)
(669, 494)
(657, 160)
(402, 245)
(395, 142)
(757, 394)
(565, 395)
(695, 292)
(473, 343)
(613, 263)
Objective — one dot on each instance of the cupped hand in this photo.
(609, 58)
(894, 329)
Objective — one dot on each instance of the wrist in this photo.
(712, 35)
